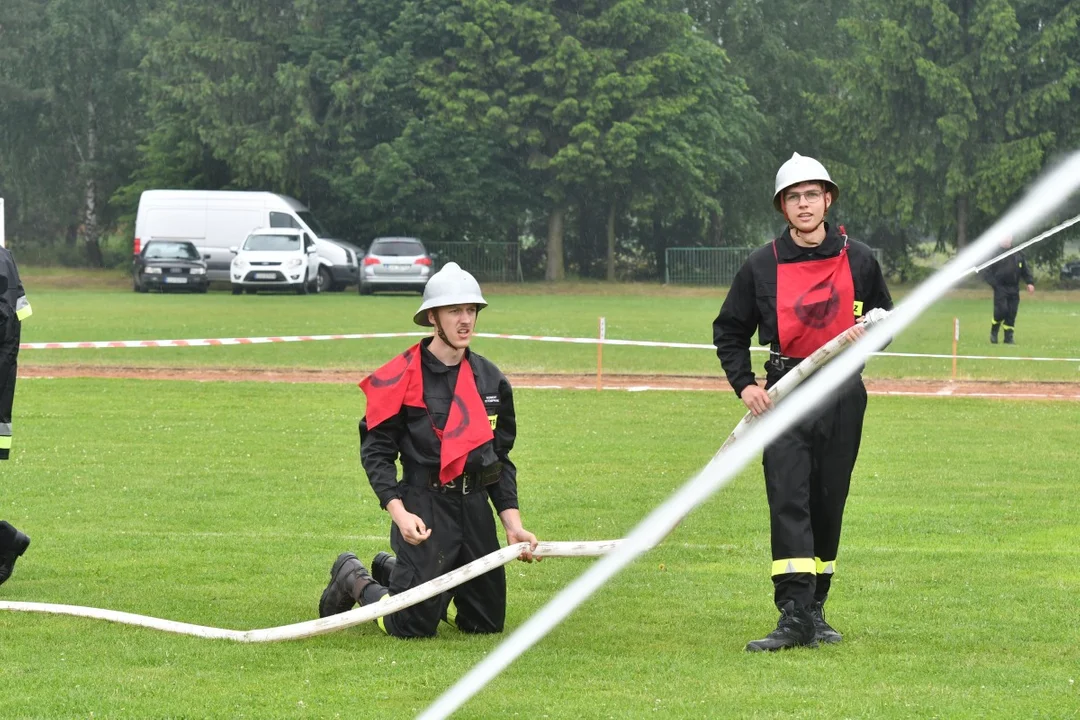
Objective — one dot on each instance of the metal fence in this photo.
(709, 266)
(487, 261)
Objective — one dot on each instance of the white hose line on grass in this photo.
(322, 626)
(1043, 198)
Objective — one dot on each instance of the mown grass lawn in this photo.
(225, 504)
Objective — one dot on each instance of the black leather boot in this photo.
(794, 629)
(823, 631)
(348, 577)
(12, 545)
(1009, 338)
(382, 566)
(994, 334)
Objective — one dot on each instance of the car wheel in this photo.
(364, 289)
(236, 289)
(323, 281)
(135, 286)
(302, 289)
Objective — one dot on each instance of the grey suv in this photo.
(395, 263)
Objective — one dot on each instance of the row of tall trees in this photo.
(602, 130)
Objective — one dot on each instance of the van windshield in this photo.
(279, 243)
(312, 223)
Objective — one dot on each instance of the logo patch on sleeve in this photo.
(493, 419)
(858, 308)
(491, 399)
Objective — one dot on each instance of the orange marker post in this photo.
(600, 355)
(955, 342)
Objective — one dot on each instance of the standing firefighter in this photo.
(14, 308)
(1005, 276)
(798, 292)
(448, 415)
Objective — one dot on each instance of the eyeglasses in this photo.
(812, 196)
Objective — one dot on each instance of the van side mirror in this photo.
(206, 256)
(234, 249)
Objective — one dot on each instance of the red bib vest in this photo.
(401, 382)
(815, 302)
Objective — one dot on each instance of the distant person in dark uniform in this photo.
(1005, 276)
(14, 308)
(447, 414)
(799, 292)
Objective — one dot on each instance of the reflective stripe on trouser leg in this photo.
(824, 567)
(786, 566)
(5, 440)
(379, 620)
(450, 617)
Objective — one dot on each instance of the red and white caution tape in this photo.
(208, 342)
(216, 342)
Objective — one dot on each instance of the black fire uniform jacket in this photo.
(462, 525)
(751, 302)
(1005, 275)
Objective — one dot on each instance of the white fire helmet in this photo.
(800, 169)
(450, 286)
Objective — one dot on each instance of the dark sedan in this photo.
(168, 265)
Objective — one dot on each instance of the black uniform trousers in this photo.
(807, 477)
(462, 530)
(9, 354)
(1005, 306)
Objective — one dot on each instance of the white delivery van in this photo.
(215, 220)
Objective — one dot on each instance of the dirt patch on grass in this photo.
(938, 388)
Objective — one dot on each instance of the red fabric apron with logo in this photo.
(815, 302)
(401, 382)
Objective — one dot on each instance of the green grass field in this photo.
(225, 504)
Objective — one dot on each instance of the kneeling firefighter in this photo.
(448, 414)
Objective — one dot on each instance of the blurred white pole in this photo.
(3, 238)
(1041, 200)
(1038, 238)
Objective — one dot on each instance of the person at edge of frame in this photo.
(1004, 276)
(799, 292)
(14, 308)
(448, 413)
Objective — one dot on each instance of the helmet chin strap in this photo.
(441, 333)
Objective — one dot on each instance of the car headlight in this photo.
(198, 271)
(152, 270)
(239, 264)
(296, 262)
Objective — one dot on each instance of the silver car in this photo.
(395, 263)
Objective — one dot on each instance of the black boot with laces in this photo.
(348, 577)
(823, 632)
(794, 629)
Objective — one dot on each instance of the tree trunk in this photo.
(555, 268)
(716, 229)
(611, 242)
(91, 229)
(961, 222)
